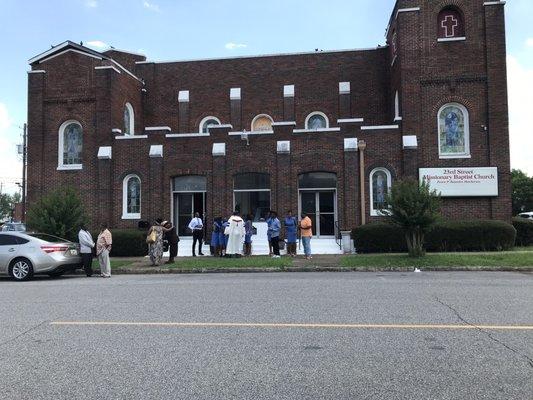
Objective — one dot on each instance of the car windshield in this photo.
(48, 238)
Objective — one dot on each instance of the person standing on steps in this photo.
(274, 228)
(236, 233)
(306, 229)
(291, 226)
(197, 227)
(86, 249)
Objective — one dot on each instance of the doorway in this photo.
(185, 206)
(320, 208)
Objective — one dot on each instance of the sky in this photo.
(189, 29)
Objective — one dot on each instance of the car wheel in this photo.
(55, 274)
(21, 269)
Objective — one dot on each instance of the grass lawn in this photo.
(224, 263)
(501, 259)
(525, 248)
(120, 263)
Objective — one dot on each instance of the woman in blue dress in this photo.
(291, 226)
(215, 237)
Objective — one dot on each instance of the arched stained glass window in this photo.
(70, 145)
(380, 184)
(316, 121)
(131, 197)
(454, 132)
(262, 123)
(129, 120)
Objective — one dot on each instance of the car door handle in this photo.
(11, 250)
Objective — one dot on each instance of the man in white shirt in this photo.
(86, 249)
(197, 227)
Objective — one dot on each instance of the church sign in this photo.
(462, 182)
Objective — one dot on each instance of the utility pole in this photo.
(24, 153)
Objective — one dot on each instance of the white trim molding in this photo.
(410, 142)
(186, 135)
(116, 130)
(105, 153)
(494, 3)
(219, 149)
(126, 137)
(66, 51)
(344, 88)
(288, 91)
(337, 129)
(74, 167)
(125, 213)
(284, 123)
(37, 71)
(222, 126)
(183, 96)
(108, 67)
(283, 147)
(452, 39)
(156, 151)
(351, 144)
(235, 94)
(379, 127)
(404, 10)
(350, 120)
(240, 133)
(157, 128)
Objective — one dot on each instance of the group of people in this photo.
(230, 237)
(102, 248)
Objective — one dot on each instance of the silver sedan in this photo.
(23, 254)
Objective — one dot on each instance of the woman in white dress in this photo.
(235, 232)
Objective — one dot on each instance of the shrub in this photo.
(524, 231)
(59, 213)
(127, 243)
(444, 236)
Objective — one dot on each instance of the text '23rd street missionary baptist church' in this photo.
(326, 133)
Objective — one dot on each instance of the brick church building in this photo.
(325, 132)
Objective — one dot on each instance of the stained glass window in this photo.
(128, 119)
(453, 130)
(134, 195)
(262, 123)
(380, 183)
(72, 144)
(317, 121)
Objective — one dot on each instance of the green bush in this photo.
(478, 235)
(127, 243)
(524, 231)
(59, 213)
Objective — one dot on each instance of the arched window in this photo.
(397, 116)
(450, 24)
(129, 120)
(208, 122)
(454, 131)
(70, 145)
(131, 197)
(251, 194)
(380, 184)
(262, 123)
(316, 120)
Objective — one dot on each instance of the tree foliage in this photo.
(522, 191)
(60, 213)
(414, 208)
(7, 204)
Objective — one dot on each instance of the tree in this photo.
(415, 208)
(60, 213)
(7, 204)
(522, 196)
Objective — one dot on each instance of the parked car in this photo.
(526, 215)
(24, 254)
(13, 227)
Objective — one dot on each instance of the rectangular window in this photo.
(256, 203)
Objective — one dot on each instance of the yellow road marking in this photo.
(295, 325)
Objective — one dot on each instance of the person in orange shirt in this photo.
(306, 229)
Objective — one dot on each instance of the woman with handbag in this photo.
(155, 242)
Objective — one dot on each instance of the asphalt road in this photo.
(439, 355)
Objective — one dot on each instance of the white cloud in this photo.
(529, 42)
(520, 82)
(233, 46)
(151, 6)
(91, 3)
(98, 44)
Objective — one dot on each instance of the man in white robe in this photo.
(235, 232)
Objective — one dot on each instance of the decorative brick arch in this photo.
(450, 23)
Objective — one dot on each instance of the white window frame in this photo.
(61, 142)
(204, 120)
(466, 116)
(374, 212)
(131, 127)
(125, 214)
(313, 114)
(260, 116)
